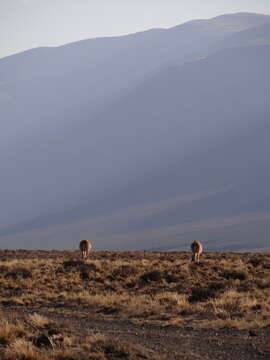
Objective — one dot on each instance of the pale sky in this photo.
(26, 24)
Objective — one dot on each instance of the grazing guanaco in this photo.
(197, 249)
(85, 247)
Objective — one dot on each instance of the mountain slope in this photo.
(259, 35)
(200, 128)
(47, 96)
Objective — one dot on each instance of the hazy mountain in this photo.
(122, 138)
(254, 36)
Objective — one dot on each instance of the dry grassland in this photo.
(163, 289)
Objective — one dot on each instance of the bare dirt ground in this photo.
(171, 342)
(165, 306)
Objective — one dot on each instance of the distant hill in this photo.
(132, 138)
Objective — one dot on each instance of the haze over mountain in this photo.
(140, 141)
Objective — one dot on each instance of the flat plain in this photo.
(134, 305)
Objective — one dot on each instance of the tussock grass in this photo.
(21, 349)
(9, 332)
(39, 321)
(29, 344)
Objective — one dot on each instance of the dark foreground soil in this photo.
(171, 342)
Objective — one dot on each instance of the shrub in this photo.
(201, 294)
(19, 272)
(124, 271)
(84, 275)
(72, 263)
(151, 276)
(255, 261)
(171, 278)
(90, 267)
(234, 275)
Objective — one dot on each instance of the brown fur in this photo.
(197, 249)
(85, 247)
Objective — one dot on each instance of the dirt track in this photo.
(173, 342)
